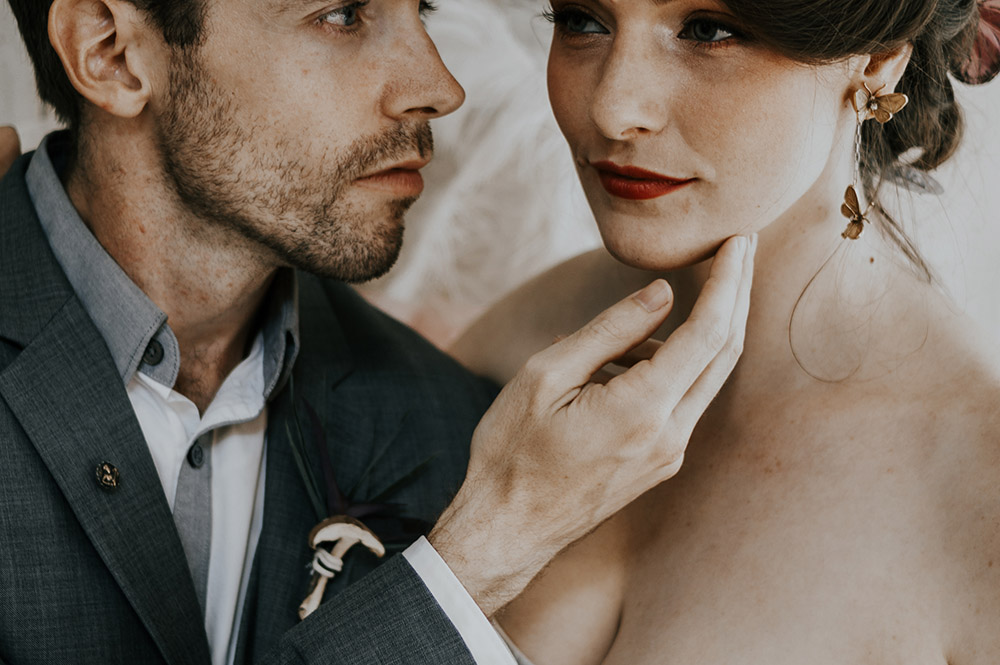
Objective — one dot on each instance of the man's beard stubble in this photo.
(231, 176)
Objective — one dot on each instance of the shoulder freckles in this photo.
(969, 418)
(969, 507)
(967, 442)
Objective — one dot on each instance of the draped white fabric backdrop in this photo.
(502, 202)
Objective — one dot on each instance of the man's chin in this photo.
(357, 264)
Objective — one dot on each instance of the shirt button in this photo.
(153, 354)
(196, 456)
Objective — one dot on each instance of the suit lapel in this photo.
(67, 395)
(354, 429)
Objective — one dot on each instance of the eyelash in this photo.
(427, 7)
(562, 17)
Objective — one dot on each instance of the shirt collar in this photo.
(133, 327)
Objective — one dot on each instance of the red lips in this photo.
(635, 184)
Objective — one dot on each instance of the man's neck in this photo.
(208, 279)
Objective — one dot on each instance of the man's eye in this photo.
(574, 21)
(706, 31)
(343, 17)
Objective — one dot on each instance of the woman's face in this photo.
(737, 135)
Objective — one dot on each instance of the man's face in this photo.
(300, 125)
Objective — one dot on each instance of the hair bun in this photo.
(983, 62)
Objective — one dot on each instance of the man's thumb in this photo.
(611, 334)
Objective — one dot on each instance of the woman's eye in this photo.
(343, 17)
(707, 31)
(575, 21)
(427, 7)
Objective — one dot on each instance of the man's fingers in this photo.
(691, 407)
(10, 148)
(644, 351)
(683, 358)
(613, 333)
(618, 366)
(604, 375)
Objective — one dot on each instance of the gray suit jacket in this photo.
(89, 575)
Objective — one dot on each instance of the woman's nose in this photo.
(632, 96)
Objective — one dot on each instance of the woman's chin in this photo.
(661, 256)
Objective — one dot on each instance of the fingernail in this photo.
(753, 242)
(655, 296)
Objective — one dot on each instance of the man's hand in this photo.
(558, 453)
(10, 149)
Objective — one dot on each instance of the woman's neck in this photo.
(826, 313)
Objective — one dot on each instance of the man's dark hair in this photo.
(180, 21)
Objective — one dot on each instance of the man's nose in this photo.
(422, 85)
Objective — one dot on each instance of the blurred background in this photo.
(502, 201)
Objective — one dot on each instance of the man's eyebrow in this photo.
(285, 7)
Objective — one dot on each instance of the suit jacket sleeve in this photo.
(387, 618)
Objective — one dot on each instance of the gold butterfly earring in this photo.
(867, 105)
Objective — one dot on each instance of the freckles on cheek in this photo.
(765, 118)
(568, 83)
(570, 108)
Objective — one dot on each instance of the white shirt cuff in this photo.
(482, 640)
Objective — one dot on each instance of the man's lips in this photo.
(634, 183)
(402, 179)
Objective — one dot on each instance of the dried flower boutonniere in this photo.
(341, 524)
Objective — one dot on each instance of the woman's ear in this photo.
(102, 47)
(887, 67)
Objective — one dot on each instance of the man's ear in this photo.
(102, 45)
(887, 67)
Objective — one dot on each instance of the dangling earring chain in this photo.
(851, 208)
(857, 153)
(867, 104)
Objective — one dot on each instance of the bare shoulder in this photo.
(960, 375)
(971, 534)
(556, 302)
(955, 399)
(961, 415)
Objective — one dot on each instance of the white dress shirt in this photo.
(238, 420)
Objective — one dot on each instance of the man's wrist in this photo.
(492, 557)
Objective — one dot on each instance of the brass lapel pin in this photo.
(107, 476)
